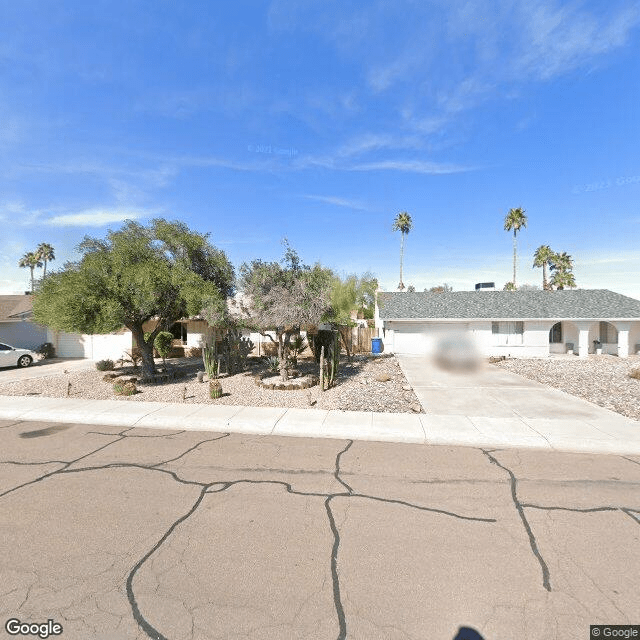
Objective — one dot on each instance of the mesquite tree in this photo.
(283, 297)
(162, 271)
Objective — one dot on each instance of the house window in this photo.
(555, 335)
(179, 331)
(608, 333)
(507, 333)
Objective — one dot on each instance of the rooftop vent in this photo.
(486, 286)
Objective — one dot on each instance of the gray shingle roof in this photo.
(15, 307)
(599, 304)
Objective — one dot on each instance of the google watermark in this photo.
(614, 631)
(606, 184)
(15, 627)
(270, 149)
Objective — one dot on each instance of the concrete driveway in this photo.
(131, 533)
(43, 368)
(492, 402)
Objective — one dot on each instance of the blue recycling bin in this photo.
(376, 345)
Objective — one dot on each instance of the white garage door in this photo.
(421, 338)
(73, 345)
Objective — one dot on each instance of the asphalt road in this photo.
(137, 533)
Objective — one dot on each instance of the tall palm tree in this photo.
(515, 220)
(542, 258)
(31, 260)
(403, 224)
(45, 253)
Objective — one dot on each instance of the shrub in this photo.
(163, 343)
(124, 388)
(273, 363)
(105, 365)
(46, 351)
(635, 373)
(134, 356)
(296, 347)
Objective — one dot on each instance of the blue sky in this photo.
(320, 121)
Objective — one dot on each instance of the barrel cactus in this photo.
(215, 389)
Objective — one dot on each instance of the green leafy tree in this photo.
(514, 221)
(542, 258)
(411, 289)
(351, 293)
(45, 253)
(162, 271)
(509, 286)
(284, 296)
(163, 344)
(403, 224)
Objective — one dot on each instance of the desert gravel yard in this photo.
(603, 380)
(358, 387)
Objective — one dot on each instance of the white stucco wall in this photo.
(94, 347)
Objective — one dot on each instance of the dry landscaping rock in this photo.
(351, 393)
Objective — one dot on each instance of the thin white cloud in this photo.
(338, 202)
(96, 217)
(412, 166)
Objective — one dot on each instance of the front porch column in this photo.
(583, 338)
(623, 338)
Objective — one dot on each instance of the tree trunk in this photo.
(401, 285)
(343, 334)
(283, 339)
(322, 368)
(146, 349)
(545, 284)
(514, 257)
(31, 279)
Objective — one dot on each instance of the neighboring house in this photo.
(18, 329)
(16, 326)
(511, 323)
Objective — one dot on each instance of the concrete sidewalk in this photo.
(615, 434)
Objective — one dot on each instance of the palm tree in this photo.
(515, 220)
(542, 258)
(31, 260)
(403, 224)
(45, 253)
(562, 266)
(562, 279)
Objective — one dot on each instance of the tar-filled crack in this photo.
(546, 581)
(190, 449)
(337, 600)
(336, 473)
(224, 485)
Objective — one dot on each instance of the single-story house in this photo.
(16, 326)
(18, 329)
(532, 323)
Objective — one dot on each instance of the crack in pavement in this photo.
(195, 446)
(142, 622)
(546, 582)
(337, 600)
(336, 473)
(224, 485)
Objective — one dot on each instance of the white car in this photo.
(13, 357)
